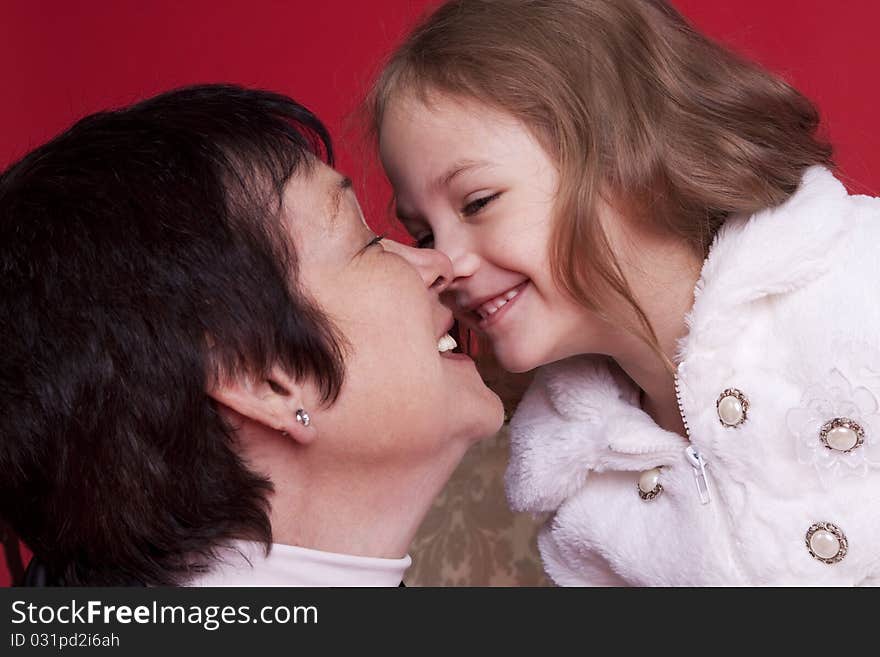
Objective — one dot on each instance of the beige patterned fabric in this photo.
(470, 537)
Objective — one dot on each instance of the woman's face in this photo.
(475, 185)
(401, 396)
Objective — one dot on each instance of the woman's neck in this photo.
(362, 513)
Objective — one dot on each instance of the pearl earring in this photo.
(303, 418)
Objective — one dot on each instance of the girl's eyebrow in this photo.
(443, 181)
(457, 169)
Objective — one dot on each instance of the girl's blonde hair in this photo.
(626, 97)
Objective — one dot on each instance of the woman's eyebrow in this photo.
(343, 184)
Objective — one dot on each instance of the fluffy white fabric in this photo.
(786, 310)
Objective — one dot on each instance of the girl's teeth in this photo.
(446, 343)
(491, 307)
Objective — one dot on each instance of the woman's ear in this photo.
(277, 402)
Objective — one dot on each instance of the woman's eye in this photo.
(476, 205)
(373, 242)
(424, 241)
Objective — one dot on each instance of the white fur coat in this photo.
(786, 311)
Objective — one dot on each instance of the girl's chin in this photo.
(513, 360)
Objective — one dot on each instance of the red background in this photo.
(60, 60)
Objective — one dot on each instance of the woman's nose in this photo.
(434, 267)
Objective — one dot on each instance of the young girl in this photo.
(651, 221)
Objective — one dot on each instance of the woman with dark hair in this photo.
(212, 371)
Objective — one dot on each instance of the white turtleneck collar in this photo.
(244, 563)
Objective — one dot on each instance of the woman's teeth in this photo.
(446, 343)
(494, 305)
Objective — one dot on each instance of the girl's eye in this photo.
(424, 241)
(476, 205)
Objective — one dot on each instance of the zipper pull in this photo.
(698, 463)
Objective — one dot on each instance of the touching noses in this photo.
(434, 267)
(464, 261)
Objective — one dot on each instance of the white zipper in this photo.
(684, 420)
(697, 462)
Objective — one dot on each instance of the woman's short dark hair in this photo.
(141, 254)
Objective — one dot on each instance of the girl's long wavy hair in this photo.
(626, 97)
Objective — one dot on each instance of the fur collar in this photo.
(577, 417)
(775, 251)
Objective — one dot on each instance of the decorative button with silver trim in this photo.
(842, 434)
(826, 542)
(649, 484)
(732, 407)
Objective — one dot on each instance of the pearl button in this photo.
(841, 438)
(649, 484)
(730, 411)
(842, 434)
(649, 480)
(825, 544)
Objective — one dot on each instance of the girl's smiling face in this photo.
(475, 184)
